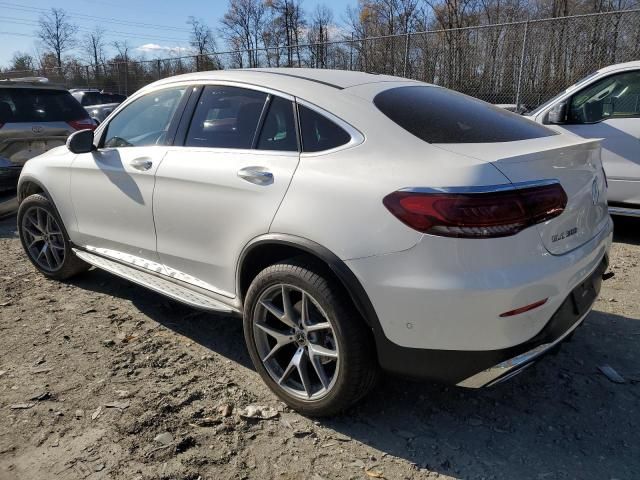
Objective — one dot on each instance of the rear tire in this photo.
(319, 362)
(45, 240)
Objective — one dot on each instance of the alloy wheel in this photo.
(43, 239)
(296, 342)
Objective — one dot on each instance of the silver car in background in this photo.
(35, 116)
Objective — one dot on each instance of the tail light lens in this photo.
(83, 124)
(477, 214)
(1, 124)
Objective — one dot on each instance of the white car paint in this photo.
(620, 137)
(190, 216)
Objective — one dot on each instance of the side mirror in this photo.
(81, 142)
(558, 114)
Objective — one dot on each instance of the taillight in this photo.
(83, 124)
(485, 213)
(1, 124)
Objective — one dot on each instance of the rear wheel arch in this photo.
(269, 249)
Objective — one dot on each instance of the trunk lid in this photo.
(574, 162)
(20, 142)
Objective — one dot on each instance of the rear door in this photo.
(224, 186)
(610, 109)
(112, 187)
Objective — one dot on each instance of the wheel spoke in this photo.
(293, 365)
(319, 369)
(303, 370)
(281, 338)
(55, 255)
(318, 326)
(34, 223)
(289, 313)
(320, 351)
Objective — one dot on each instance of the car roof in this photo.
(30, 82)
(294, 81)
(620, 66)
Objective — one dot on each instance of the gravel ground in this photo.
(102, 379)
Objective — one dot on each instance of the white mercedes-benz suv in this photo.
(355, 221)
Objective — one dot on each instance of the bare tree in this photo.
(93, 47)
(123, 48)
(318, 35)
(243, 25)
(201, 36)
(57, 32)
(290, 18)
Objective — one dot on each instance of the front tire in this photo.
(44, 239)
(307, 341)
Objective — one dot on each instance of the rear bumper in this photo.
(475, 369)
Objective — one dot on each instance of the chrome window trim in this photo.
(484, 188)
(356, 136)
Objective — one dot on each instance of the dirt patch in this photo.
(103, 379)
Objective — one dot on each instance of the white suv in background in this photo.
(605, 105)
(355, 221)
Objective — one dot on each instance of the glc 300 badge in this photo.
(561, 236)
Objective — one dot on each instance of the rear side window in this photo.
(226, 117)
(318, 132)
(38, 105)
(279, 130)
(438, 115)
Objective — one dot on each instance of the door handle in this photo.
(142, 163)
(257, 175)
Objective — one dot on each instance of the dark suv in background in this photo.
(35, 116)
(98, 104)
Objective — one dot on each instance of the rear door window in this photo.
(279, 127)
(226, 117)
(19, 105)
(318, 132)
(438, 115)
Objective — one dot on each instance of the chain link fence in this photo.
(522, 63)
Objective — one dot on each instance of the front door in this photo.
(112, 187)
(224, 186)
(610, 109)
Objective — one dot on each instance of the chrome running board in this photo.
(154, 282)
(625, 212)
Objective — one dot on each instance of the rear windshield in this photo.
(38, 105)
(438, 115)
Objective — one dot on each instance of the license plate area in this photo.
(583, 296)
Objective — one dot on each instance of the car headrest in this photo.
(6, 114)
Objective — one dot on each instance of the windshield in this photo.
(533, 113)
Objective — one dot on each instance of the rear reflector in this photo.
(526, 308)
(483, 214)
(83, 124)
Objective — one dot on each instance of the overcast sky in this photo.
(153, 27)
